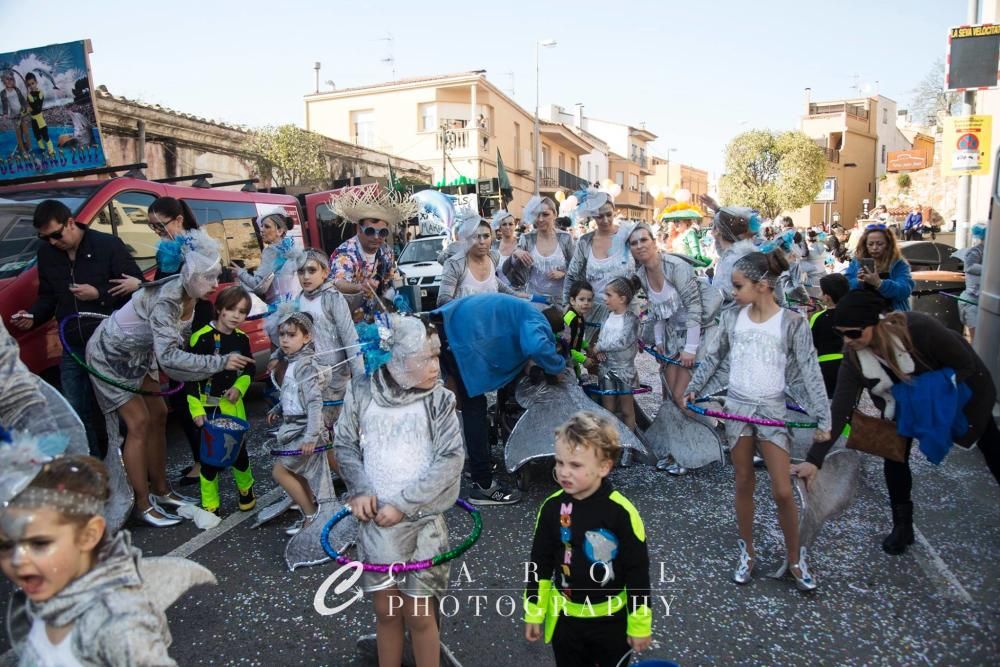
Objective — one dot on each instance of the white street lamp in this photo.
(538, 142)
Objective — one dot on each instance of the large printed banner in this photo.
(48, 123)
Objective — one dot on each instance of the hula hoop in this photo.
(956, 297)
(662, 357)
(719, 414)
(593, 390)
(409, 566)
(327, 404)
(298, 452)
(96, 373)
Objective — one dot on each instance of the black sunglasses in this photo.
(371, 231)
(853, 334)
(54, 236)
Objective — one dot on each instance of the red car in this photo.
(119, 206)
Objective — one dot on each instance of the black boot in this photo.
(901, 536)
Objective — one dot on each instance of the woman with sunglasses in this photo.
(505, 229)
(174, 222)
(543, 255)
(473, 269)
(906, 361)
(598, 259)
(268, 281)
(879, 267)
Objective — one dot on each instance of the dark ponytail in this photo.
(170, 208)
(626, 287)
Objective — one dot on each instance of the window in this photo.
(428, 118)
(545, 156)
(562, 161)
(620, 178)
(232, 225)
(885, 116)
(363, 127)
(883, 153)
(633, 182)
(127, 216)
(517, 146)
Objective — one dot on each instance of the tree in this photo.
(288, 155)
(931, 102)
(772, 172)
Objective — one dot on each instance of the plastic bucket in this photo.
(221, 439)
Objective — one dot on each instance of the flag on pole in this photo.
(502, 178)
(502, 173)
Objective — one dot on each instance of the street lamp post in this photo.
(538, 141)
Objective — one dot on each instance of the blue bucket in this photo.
(221, 439)
(655, 663)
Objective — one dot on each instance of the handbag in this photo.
(877, 436)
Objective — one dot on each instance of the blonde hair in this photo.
(891, 249)
(587, 429)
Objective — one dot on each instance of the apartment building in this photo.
(669, 176)
(453, 124)
(847, 131)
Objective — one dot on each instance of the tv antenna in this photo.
(389, 59)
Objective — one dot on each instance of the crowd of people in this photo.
(394, 406)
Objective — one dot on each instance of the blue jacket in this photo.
(493, 335)
(929, 408)
(896, 288)
(913, 221)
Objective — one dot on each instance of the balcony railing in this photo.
(460, 139)
(551, 178)
(640, 160)
(832, 155)
(856, 110)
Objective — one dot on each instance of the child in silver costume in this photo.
(401, 454)
(616, 348)
(761, 351)
(300, 415)
(86, 595)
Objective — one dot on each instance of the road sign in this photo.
(829, 191)
(965, 143)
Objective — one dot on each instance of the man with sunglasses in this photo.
(364, 264)
(79, 269)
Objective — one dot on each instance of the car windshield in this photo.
(421, 250)
(18, 239)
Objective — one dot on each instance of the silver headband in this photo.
(67, 502)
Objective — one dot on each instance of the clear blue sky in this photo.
(697, 72)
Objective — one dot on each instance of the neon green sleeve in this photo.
(640, 622)
(243, 383)
(195, 407)
(534, 612)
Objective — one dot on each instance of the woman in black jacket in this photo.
(882, 352)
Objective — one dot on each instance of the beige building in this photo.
(847, 132)
(670, 176)
(562, 152)
(405, 118)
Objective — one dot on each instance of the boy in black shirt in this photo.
(828, 343)
(223, 392)
(589, 547)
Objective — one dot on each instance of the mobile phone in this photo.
(868, 264)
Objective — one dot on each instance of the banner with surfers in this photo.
(48, 120)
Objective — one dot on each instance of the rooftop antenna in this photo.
(510, 91)
(857, 84)
(317, 66)
(390, 59)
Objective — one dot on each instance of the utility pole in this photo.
(964, 203)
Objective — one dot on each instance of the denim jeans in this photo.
(76, 387)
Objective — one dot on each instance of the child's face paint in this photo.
(582, 302)
(40, 552)
(312, 275)
(231, 318)
(580, 470)
(615, 302)
(423, 370)
(291, 339)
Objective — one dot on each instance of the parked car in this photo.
(119, 206)
(418, 266)
(930, 256)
